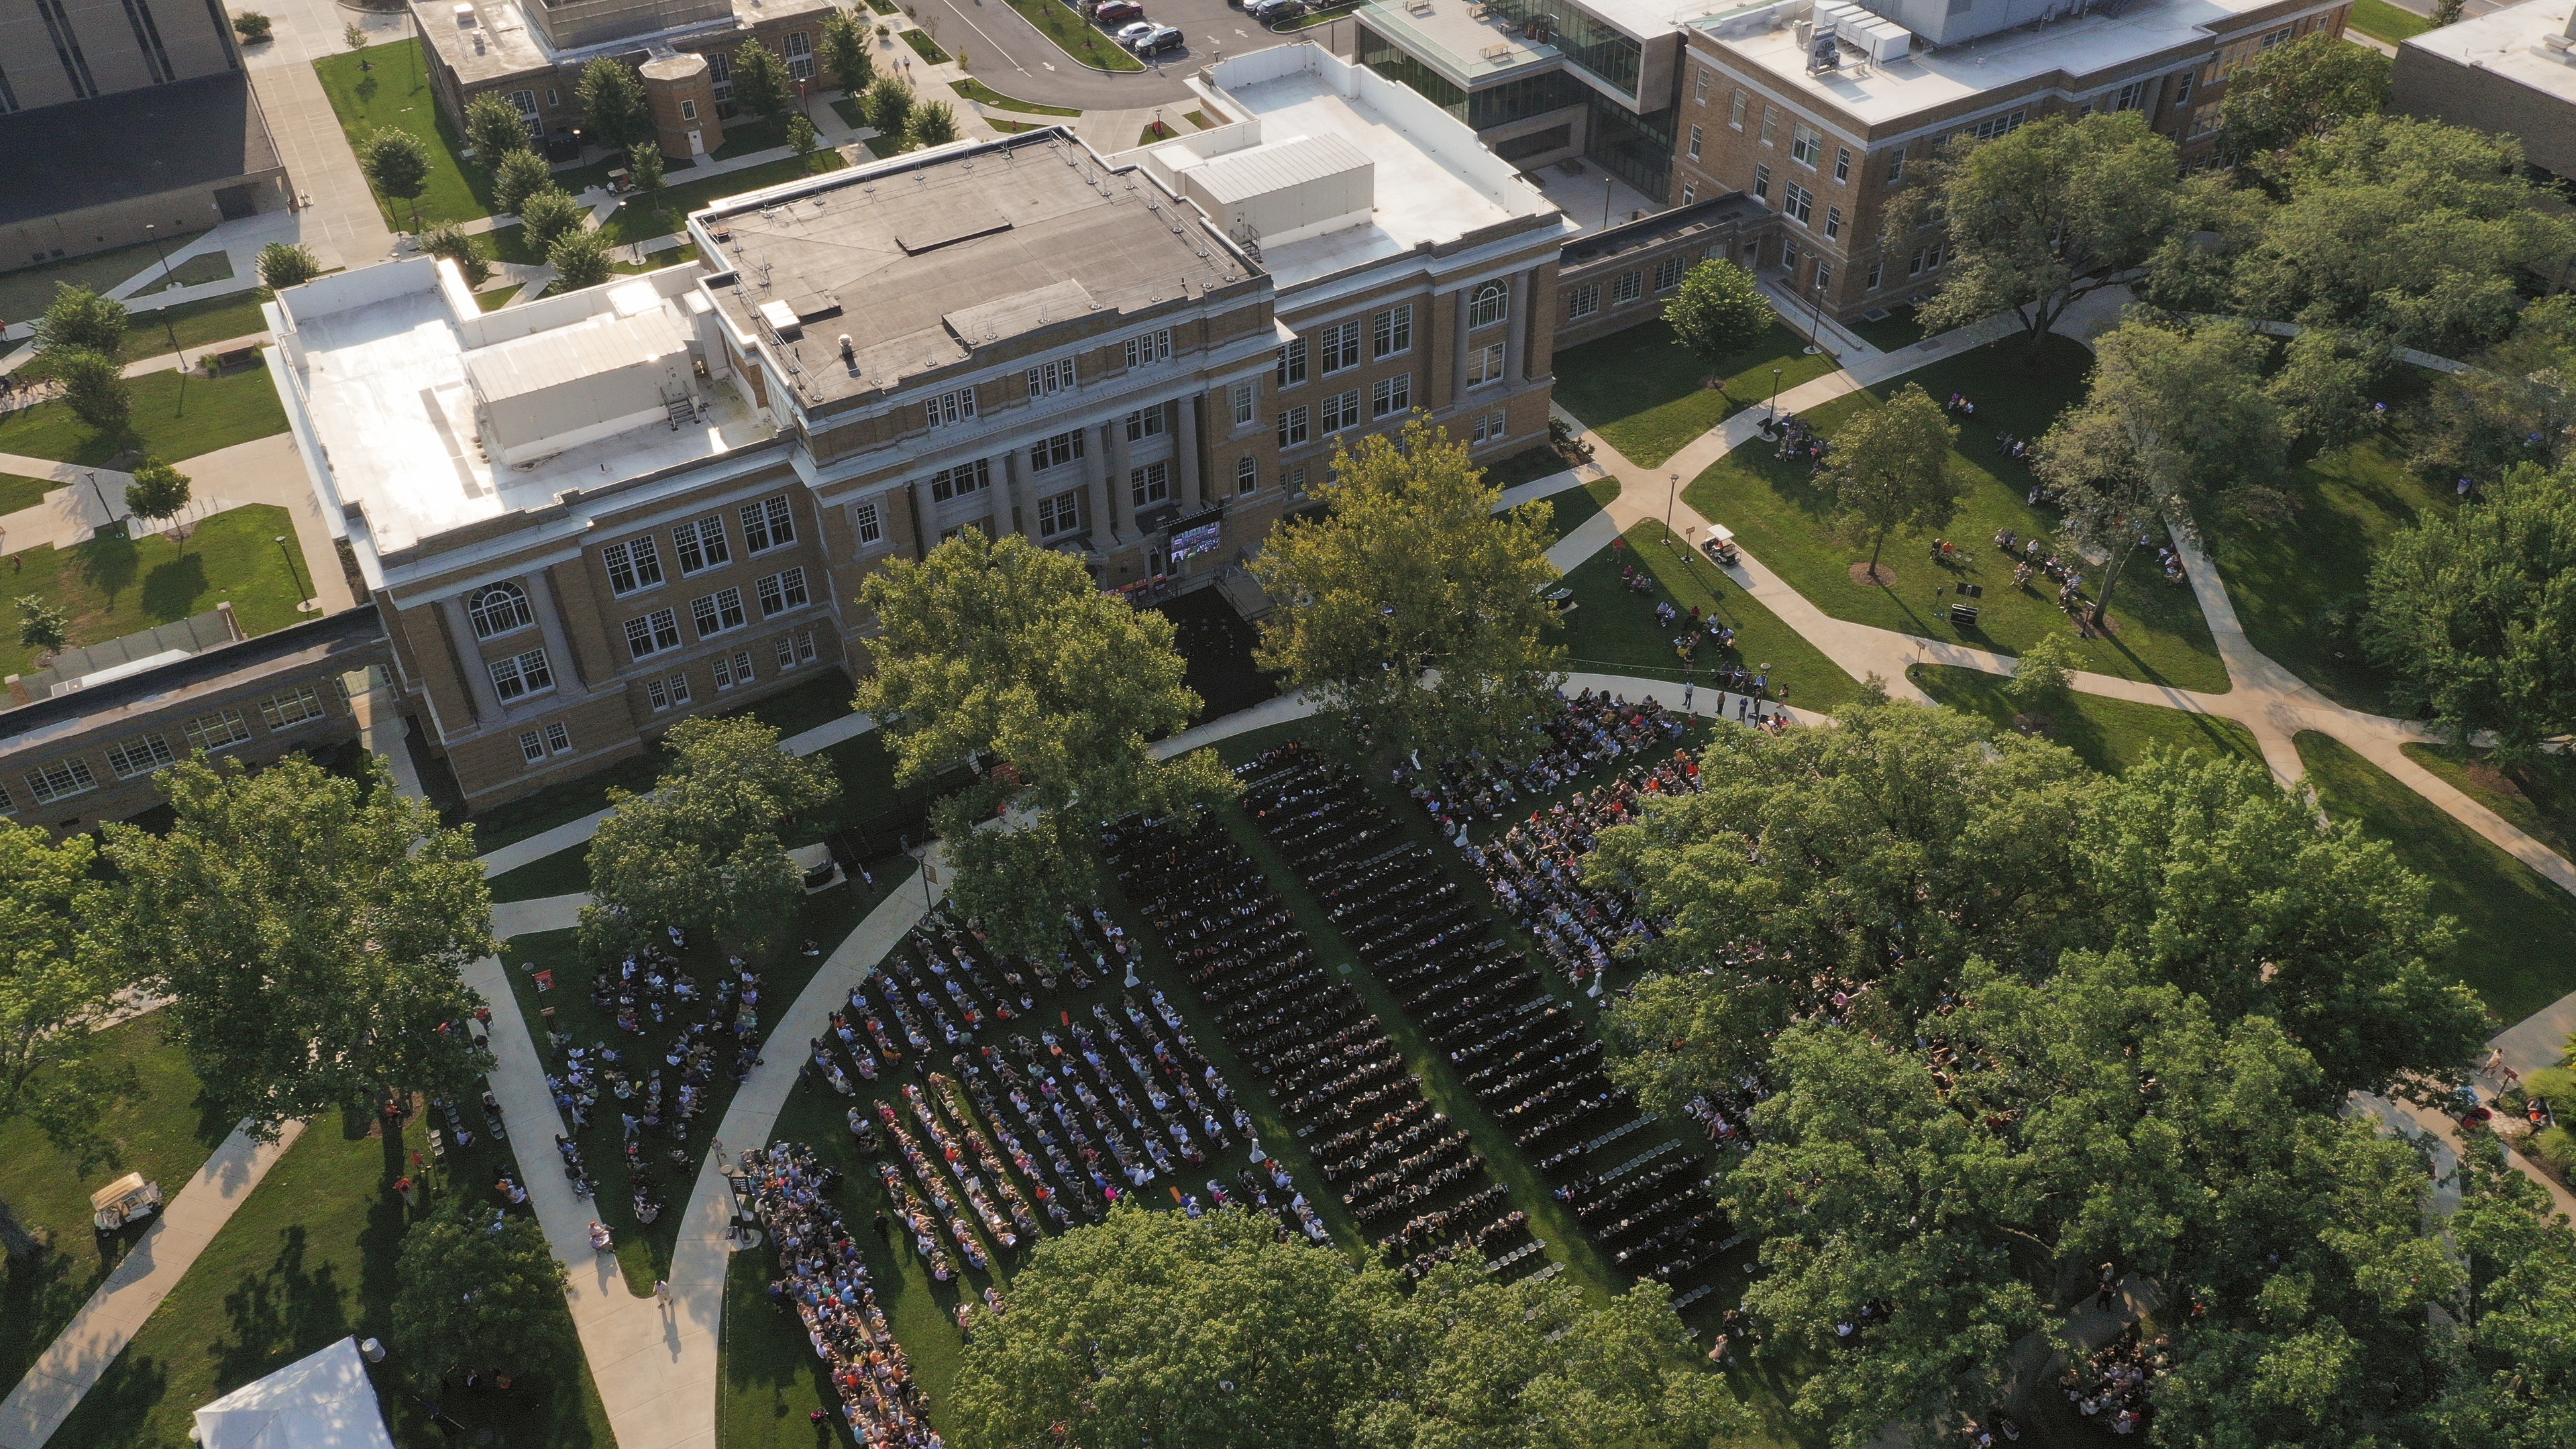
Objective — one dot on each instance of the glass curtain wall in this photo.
(1481, 109)
(1591, 43)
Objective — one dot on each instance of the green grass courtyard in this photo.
(387, 85)
(175, 415)
(1649, 396)
(114, 585)
(2108, 734)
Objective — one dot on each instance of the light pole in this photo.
(304, 604)
(1775, 392)
(1607, 181)
(106, 515)
(155, 235)
(1672, 489)
(1816, 316)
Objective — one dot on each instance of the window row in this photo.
(139, 755)
(716, 613)
(729, 671)
(635, 564)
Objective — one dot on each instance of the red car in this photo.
(1117, 12)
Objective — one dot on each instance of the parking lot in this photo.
(1012, 57)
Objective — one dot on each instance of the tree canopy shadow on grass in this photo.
(170, 587)
(107, 563)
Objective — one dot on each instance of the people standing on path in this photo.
(662, 1293)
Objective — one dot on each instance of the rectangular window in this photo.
(1689, 195)
(800, 56)
(2133, 97)
(1485, 364)
(1243, 404)
(719, 74)
(724, 672)
(785, 651)
(1699, 85)
(1292, 362)
(2204, 119)
(1057, 451)
(1914, 264)
(1735, 111)
(1833, 221)
(520, 674)
(718, 612)
(961, 480)
(1145, 423)
(652, 633)
(1247, 474)
(291, 707)
(1585, 301)
(558, 737)
(1046, 379)
(804, 646)
(1877, 271)
(1993, 126)
(1391, 395)
(140, 755)
(1060, 514)
(1695, 136)
(1762, 181)
(868, 524)
(1896, 168)
(1789, 257)
(679, 689)
(701, 545)
(1152, 347)
(634, 564)
(742, 669)
(1149, 485)
(1805, 146)
(1798, 202)
(532, 747)
(2182, 89)
(949, 409)
(768, 524)
(1627, 287)
(1770, 124)
(1292, 426)
(60, 780)
(1340, 345)
(1668, 273)
(1824, 274)
(1842, 163)
(781, 592)
(689, 109)
(215, 731)
(1391, 331)
(1342, 410)
(656, 695)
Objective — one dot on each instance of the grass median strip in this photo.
(1075, 36)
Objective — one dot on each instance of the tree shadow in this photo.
(367, 89)
(277, 1313)
(171, 590)
(108, 562)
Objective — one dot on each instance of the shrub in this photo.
(251, 26)
(287, 264)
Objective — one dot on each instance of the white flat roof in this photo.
(2089, 45)
(388, 401)
(2507, 42)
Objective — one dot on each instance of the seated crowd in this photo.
(2113, 1385)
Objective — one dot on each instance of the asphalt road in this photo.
(1010, 55)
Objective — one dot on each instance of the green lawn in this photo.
(203, 267)
(1897, 332)
(29, 289)
(2109, 734)
(2382, 21)
(18, 491)
(174, 415)
(208, 319)
(1526, 466)
(307, 1259)
(157, 1130)
(1573, 505)
(1649, 395)
(1075, 36)
(975, 90)
(559, 874)
(1775, 509)
(2538, 797)
(1613, 631)
(635, 223)
(2517, 944)
(2284, 577)
(112, 585)
(925, 47)
(396, 93)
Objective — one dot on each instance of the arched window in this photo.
(498, 610)
(1491, 304)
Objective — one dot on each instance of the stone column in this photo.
(1514, 328)
(1014, 493)
(1185, 444)
(541, 596)
(926, 508)
(1098, 493)
(469, 660)
(1458, 351)
(1122, 504)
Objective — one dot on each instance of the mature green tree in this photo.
(1962, 1190)
(1719, 312)
(518, 176)
(1411, 608)
(2305, 88)
(888, 106)
(644, 171)
(2514, 1384)
(2042, 217)
(760, 83)
(2514, 407)
(2470, 612)
(94, 387)
(931, 123)
(55, 981)
(2213, 878)
(802, 137)
(2325, 384)
(1817, 851)
(613, 101)
(449, 241)
(2409, 231)
(1890, 469)
(41, 626)
(547, 214)
(2044, 672)
(313, 932)
(846, 54)
(398, 164)
(158, 493)
(702, 851)
(1010, 651)
(2447, 12)
(581, 259)
(287, 264)
(2175, 427)
(496, 130)
(475, 1288)
(81, 320)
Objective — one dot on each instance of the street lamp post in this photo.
(1816, 316)
(304, 603)
(1775, 392)
(106, 515)
(1606, 183)
(150, 231)
(1672, 489)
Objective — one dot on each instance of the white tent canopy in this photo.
(322, 1401)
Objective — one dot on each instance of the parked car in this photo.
(1117, 12)
(1270, 12)
(1128, 35)
(1157, 38)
